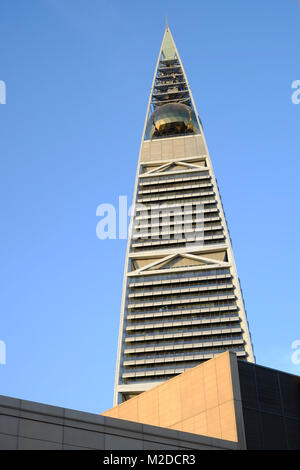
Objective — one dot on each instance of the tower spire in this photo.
(182, 303)
(170, 87)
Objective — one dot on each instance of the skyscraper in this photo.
(182, 302)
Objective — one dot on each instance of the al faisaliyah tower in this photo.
(182, 302)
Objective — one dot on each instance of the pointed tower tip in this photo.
(168, 48)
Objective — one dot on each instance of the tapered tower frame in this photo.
(191, 160)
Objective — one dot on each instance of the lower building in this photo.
(26, 425)
(224, 403)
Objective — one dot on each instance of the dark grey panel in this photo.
(248, 384)
(253, 429)
(290, 391)
(268, 390)
(292, 427)
(274, 435)
(271, 407)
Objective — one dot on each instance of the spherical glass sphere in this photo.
(171, 120)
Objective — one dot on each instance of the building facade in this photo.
(182, 303)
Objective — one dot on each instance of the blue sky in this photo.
(78, 76)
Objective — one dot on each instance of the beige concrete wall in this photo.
(203, 400)
(172, 148)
